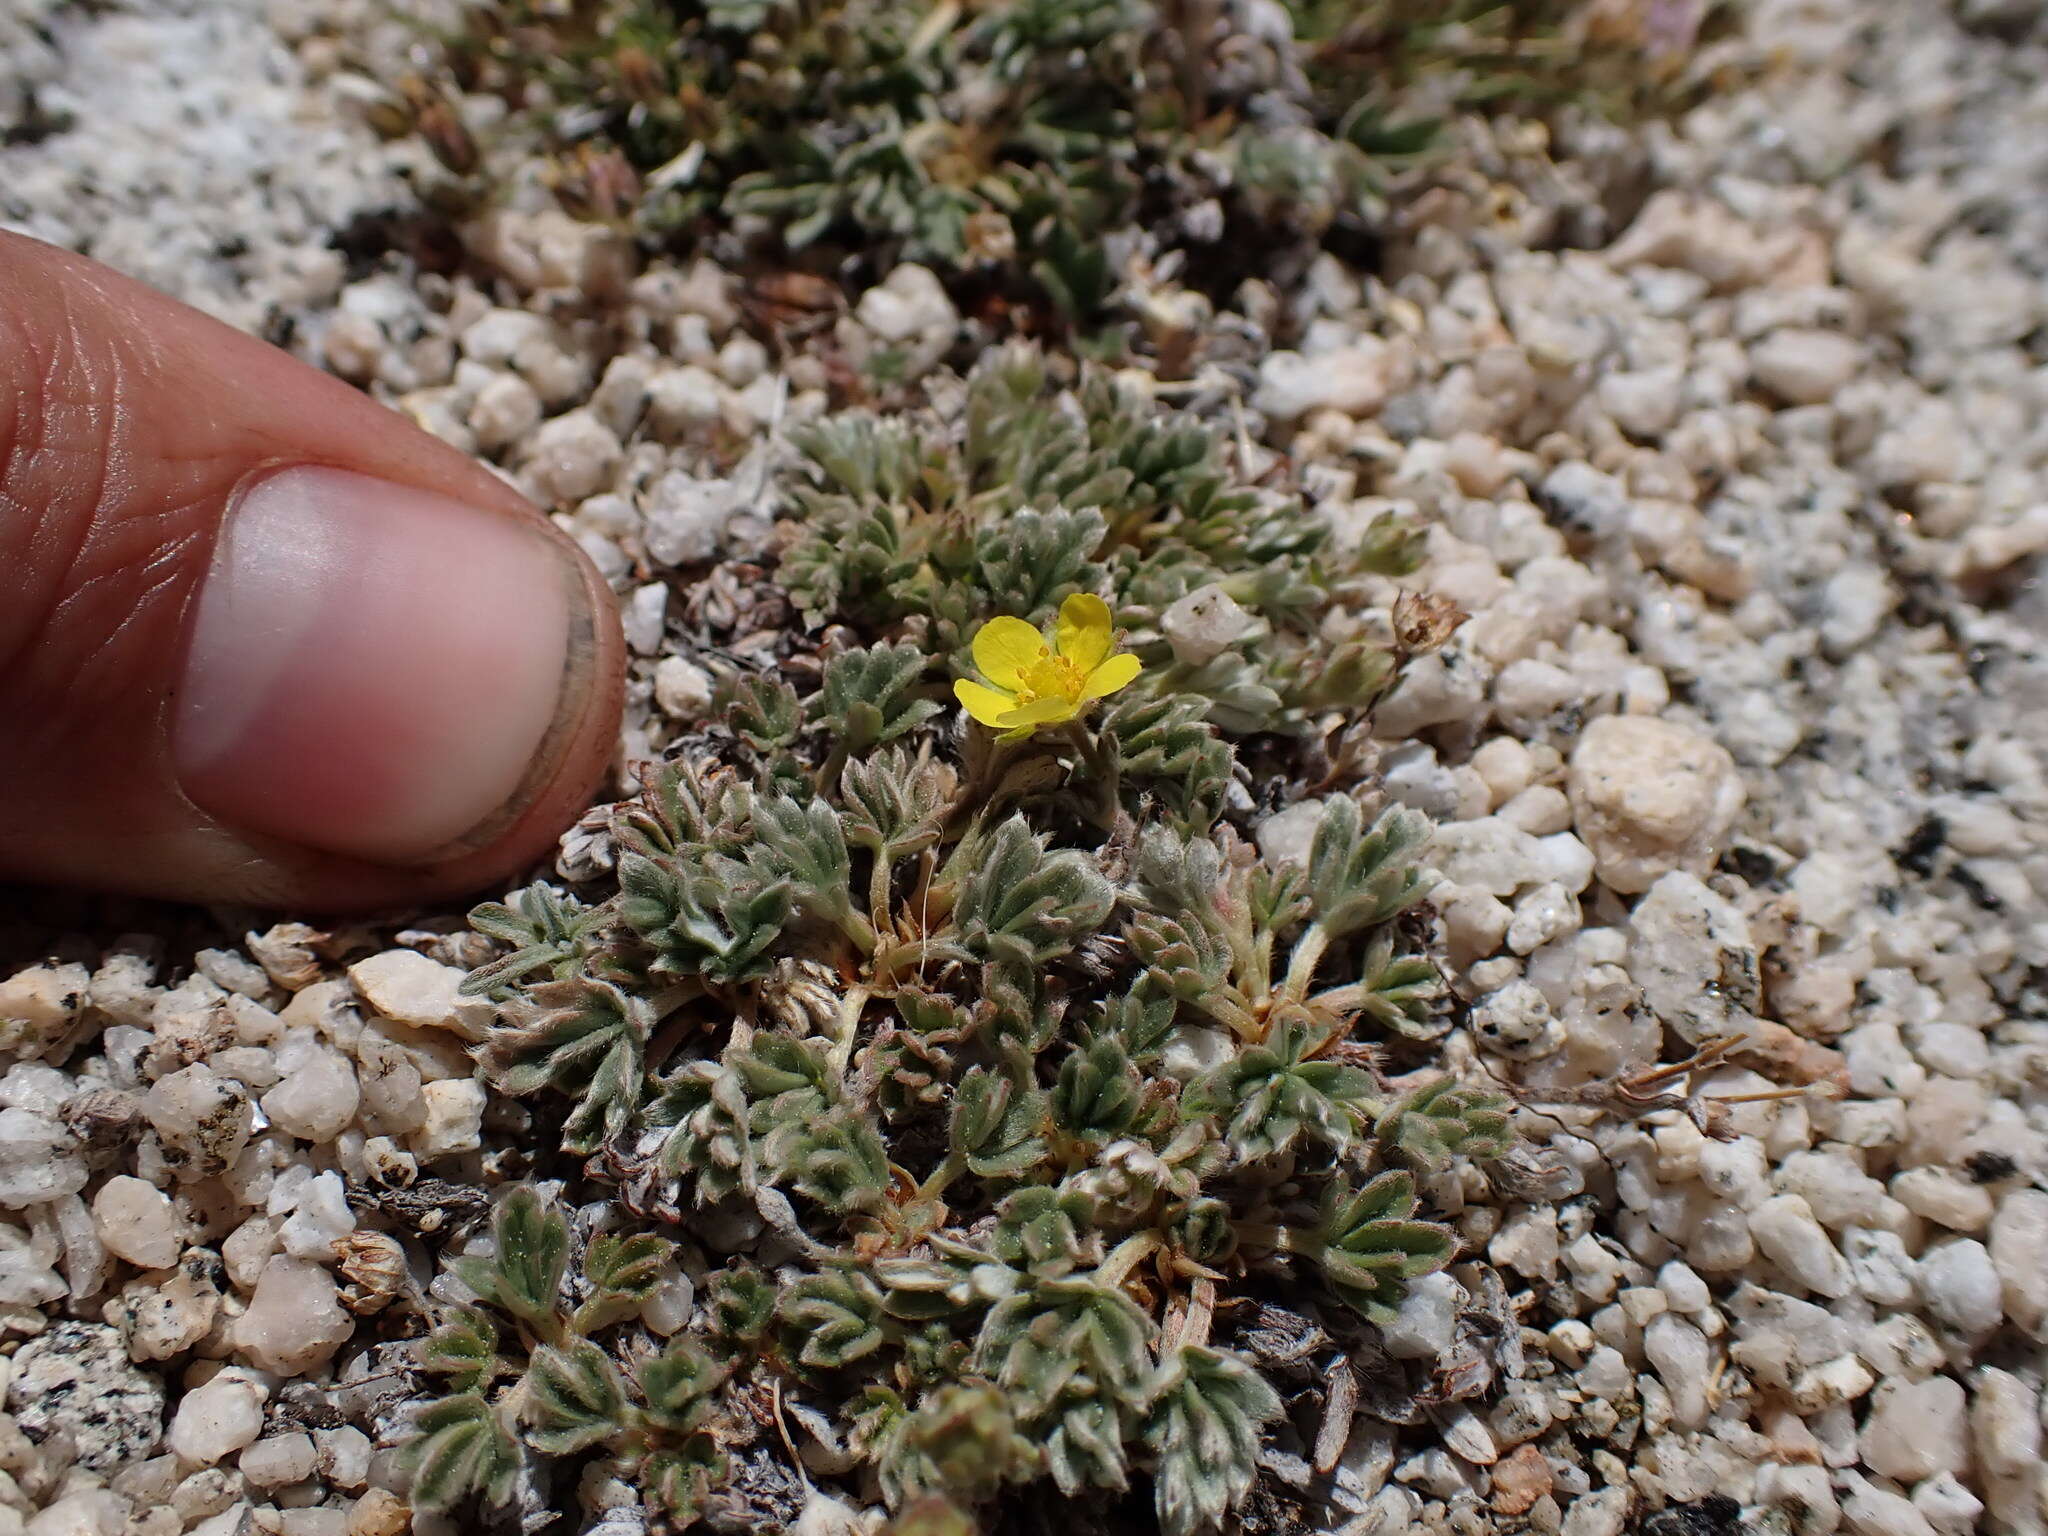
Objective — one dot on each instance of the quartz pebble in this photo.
(1204, 624)
(1649, 797)
(278, 1459)
(1691, 953)
(137, 1222)
(39, 1159)
(1421, 1329)
(295, 1320)
(317, 1100)
(454, 1118)
(408, 987)
(1961, 1286)
(203, 1120)
(1805, 367)
(217, 1419)
(2019, 1255)
(1785, 1230)
(1916, 1429)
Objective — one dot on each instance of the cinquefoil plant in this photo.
(1042, 1083)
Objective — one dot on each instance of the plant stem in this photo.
(941, 1176)
(1278, 1239)
(878, 891)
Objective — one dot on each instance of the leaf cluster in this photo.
(1023, 1057)
(523, 1371)
(1025, 492)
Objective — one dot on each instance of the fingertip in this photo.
(395, 677)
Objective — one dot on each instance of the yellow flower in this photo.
(1038, 684)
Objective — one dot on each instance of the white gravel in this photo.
(1745, 734)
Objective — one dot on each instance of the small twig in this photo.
(782, 1433)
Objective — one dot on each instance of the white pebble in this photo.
(1679, 1354)
(317, 1100)
(344, 1456)
(1916, 1429)
(137, 1222)
(203, 1120)
(1649, 797)
(1961, 1286)
(2019, 1252)
(454, 1123)
(278, 1459)
(1871, 1511)
(322, 1219)
(1940, 1196)
(295, 1321)
(1422, 1328)
(1204, 624)
(1805, 367)
(406, 986)
(1786, 1231)
(682, 688)
(217, 1419)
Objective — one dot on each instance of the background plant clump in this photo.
(1026, 145)
(1057, 1119)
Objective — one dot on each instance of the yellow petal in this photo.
(1085, 631)
(1039, 711)
(1115, 673)
(1003, 648)
(984, 704)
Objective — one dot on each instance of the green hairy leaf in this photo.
(547, 931)
(838, 1316)
(574, 1398)
(460, 1451)
(1370, 1247)
(1204, 1427)
(741, 1303)
(894, 804)
(1271, 1094)
(1444, 1121)
(1360, 877)
(836, 1160)
(869, 696)
(678, 1481)
(713, 919)
(678, 1385)
(801, 844)
(464, 1348)
(1098, 1094)
(585, 1038)
(996, 1125)
(523, 1275)
(1042, 1230)
(961, 1441)
(763, 711)
(1025, 906)
(620, 1273)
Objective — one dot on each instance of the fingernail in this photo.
(377, 671)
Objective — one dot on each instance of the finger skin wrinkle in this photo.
(109, 531)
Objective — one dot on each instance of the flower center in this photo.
(1050, 677)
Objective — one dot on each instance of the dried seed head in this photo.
(374, 1266)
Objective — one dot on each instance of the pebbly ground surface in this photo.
(1730, 435)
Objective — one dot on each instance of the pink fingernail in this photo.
(375, 670)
